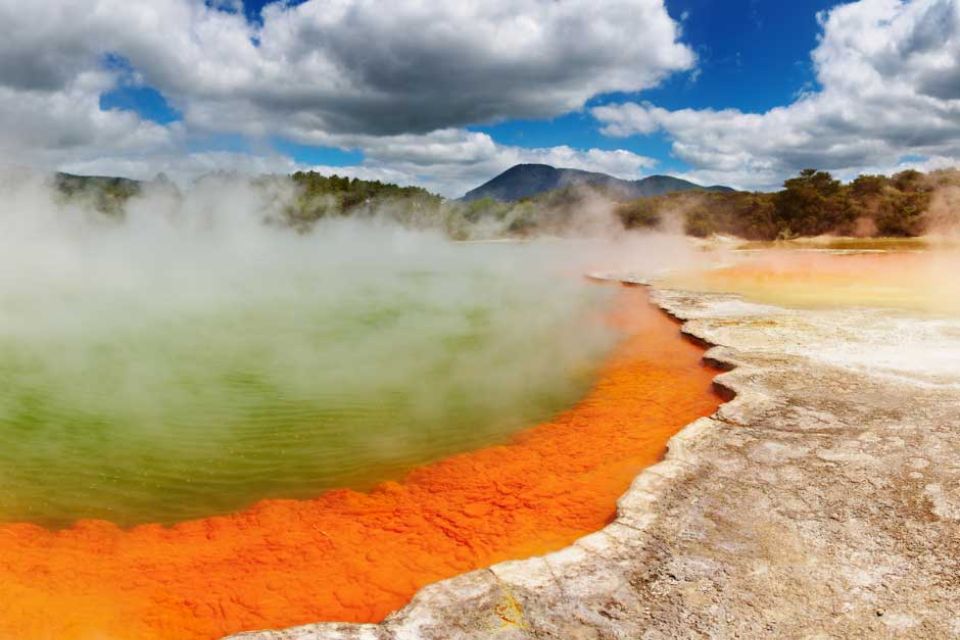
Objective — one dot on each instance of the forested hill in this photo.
(530, 180)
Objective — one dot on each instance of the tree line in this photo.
(810, 204)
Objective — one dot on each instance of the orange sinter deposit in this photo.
(354, 556)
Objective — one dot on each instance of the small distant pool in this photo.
(914, 280)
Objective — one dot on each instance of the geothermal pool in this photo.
(209, 424)
(214, 429)
(174, 398)
(356, 556)
(911, 280)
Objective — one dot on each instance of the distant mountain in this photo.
(527, 180)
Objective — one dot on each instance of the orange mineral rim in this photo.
(351, 556)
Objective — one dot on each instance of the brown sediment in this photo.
(354, 556)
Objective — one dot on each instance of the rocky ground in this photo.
(823, 501)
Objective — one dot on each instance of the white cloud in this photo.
(352, 66)
(454, 161)
(397, 81)
(449, 162)
(182, 167)
(58, 123)
(890, 77)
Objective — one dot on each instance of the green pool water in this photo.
(139, 388)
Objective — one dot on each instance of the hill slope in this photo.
(527, 180)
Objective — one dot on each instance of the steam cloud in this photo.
(197, 343)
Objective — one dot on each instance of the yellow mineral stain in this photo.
(922, 281)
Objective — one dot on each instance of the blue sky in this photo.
(753, 55)
(447, 95)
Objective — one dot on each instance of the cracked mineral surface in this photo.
(822, 501)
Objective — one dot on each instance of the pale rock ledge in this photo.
(823, 501)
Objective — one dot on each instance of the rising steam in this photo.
(195, 353)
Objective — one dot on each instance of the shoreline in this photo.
(357, 556)
(796, 509)
(490, 590)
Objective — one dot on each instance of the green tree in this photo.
(812, 204)
(641, 213)
(866, 186)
